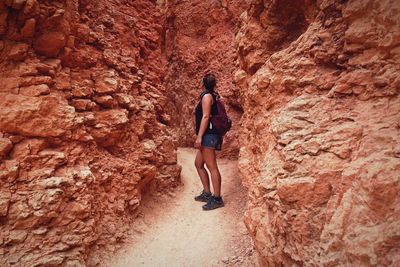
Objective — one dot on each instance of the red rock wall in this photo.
(93, 93)
(320, 132)
(83, 126)
(200, 38)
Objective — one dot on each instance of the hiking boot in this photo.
(203, 197)
(214, 203)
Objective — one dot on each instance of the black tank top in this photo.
(199, 113)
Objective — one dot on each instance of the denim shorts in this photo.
(213, 141)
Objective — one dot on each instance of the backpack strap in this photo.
(203, 94)
(215, 97)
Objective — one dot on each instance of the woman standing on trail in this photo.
(207, 141)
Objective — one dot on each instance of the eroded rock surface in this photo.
(87, 121)
(81, 98)
(320, 132)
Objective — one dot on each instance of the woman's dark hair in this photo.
(209, 82)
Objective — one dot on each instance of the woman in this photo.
(207, 141)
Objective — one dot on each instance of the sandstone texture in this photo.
(320, 130)
(95, 96)
(81, 128)
(200, 38)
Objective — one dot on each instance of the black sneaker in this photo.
(214, 203)
(203, 197)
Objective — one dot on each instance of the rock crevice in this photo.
(95, 97)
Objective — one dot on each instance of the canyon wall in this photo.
(96, 95)
(84, 126)
(200, 38)
(320, 146)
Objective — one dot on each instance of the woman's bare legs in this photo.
(209, 157)
(199, 163)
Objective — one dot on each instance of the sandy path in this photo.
(175, 231)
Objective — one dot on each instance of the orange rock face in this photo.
(81, 128)
(320, 132)
(94, 95)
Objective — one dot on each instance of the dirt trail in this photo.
(175, 231)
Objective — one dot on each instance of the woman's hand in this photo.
(197, 143)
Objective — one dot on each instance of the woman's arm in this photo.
(206, 104)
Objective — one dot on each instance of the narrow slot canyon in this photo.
(97, 133)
